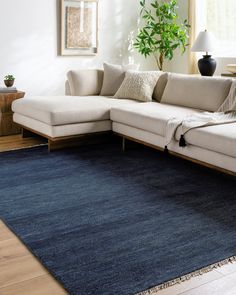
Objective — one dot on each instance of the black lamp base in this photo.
(207, 65)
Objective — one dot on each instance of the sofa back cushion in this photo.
(113, 77)
(204, 93)
(85, 82)
(160, 87)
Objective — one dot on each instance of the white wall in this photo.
(29, 42)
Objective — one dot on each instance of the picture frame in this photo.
(79, 27)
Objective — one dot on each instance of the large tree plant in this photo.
(163, 32)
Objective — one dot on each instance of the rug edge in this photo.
(35, 256)
(188, 276)
(148, 291)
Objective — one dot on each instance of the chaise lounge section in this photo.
(84, 112)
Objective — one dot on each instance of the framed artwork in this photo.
(79, 27)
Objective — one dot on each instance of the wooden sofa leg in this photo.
(123, 144)
(57, 145)
(166, 151)
(50, 146)
(26, 133)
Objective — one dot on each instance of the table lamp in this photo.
(205, 43)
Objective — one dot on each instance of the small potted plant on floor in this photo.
(9, 80)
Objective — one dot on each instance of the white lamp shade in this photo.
(205, 42)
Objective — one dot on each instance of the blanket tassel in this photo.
(166, 150)
(182, 141)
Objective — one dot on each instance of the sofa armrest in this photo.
(85, 82)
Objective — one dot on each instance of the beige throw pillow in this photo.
(160, 86)
(138, 85)
(85, 82)
(113, 77)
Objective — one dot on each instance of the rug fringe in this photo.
(188, 276)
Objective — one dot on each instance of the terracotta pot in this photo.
(9, 83)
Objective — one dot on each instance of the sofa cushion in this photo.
(151, 116)
(205, 93)
(160, 87)
(61, 110)
(138, 85)
(219, 138)
(113, 77)
(63, 130)
(85, 82)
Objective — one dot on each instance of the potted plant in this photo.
(9, 80)
(163, 32)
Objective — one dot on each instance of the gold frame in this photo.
(79, 51)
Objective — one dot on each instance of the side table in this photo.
(7, 126)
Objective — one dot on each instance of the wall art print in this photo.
(79, 27)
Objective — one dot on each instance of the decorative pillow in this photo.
(113, 77)
(160, 86)
(85, 82)
(138, 85)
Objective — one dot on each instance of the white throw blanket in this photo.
(225, 114)
(230, 102)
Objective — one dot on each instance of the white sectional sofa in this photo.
(83, 111)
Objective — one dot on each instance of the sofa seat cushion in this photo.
(61, 110)
(62, 130)
(220, 138)
(150, 116)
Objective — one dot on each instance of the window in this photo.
(219, 17)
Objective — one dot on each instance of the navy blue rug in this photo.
(107, 222)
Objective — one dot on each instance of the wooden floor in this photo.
(22, 274)
(17, 142)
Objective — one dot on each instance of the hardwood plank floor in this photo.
(42, 285)
(22, 274)
(13, 142)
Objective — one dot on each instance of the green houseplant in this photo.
(163, 32)
(9, 80)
